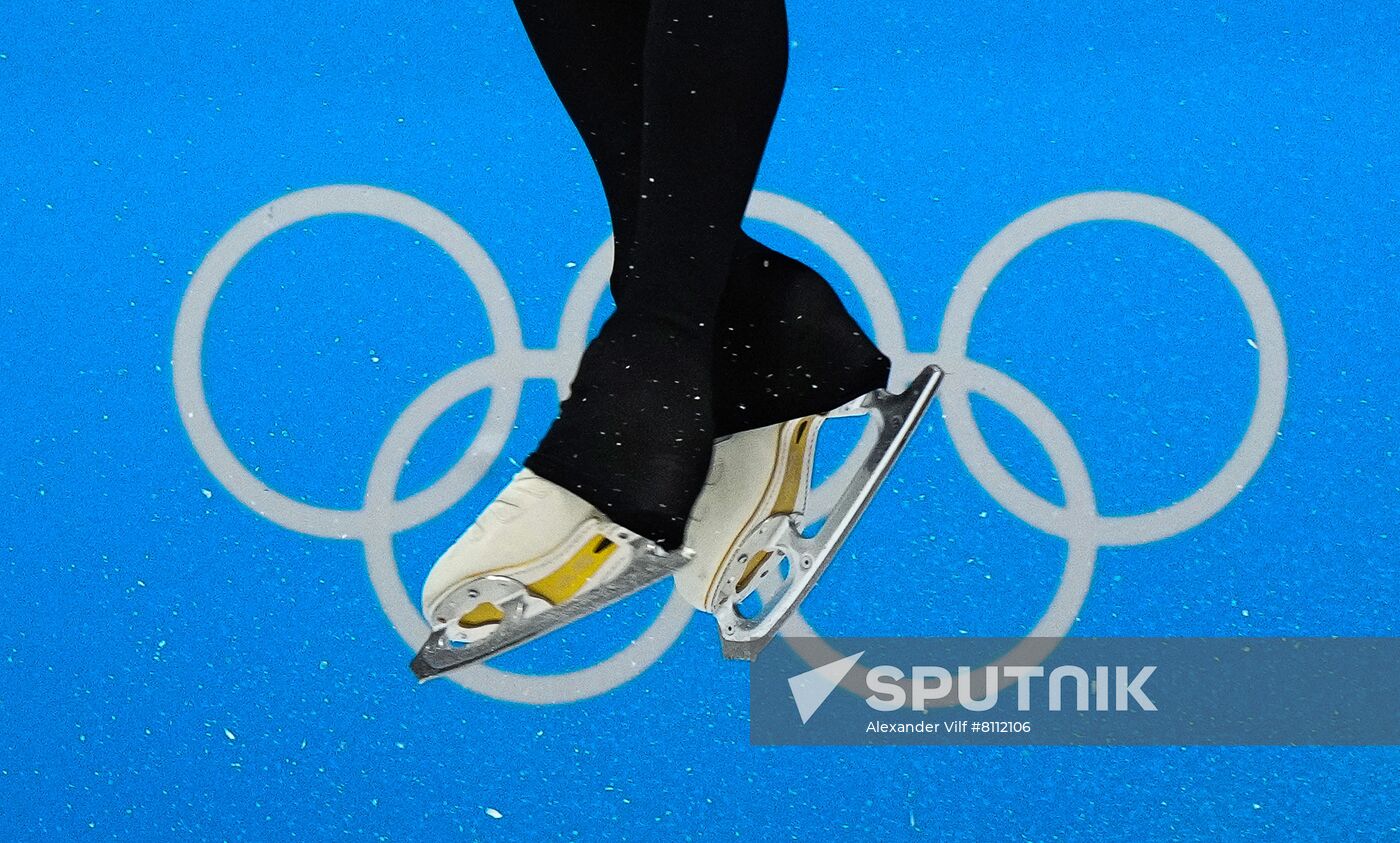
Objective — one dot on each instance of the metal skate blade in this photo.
(440, 655)
(896, 418)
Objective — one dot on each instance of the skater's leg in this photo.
(634, 436)
(591, 50)
(691, 94)
(785, 345)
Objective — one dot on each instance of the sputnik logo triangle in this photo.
(810, 689)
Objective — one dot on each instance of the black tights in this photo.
(714, 333)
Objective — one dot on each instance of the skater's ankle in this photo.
(659, 521)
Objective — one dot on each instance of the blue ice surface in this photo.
(177, 666)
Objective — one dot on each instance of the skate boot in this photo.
(536, 559)
(747, 526)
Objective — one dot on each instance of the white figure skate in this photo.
(746, 527)
(537, 558)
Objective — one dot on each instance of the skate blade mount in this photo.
(804, 558)
(523, 620)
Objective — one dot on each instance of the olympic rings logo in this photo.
(505, 371)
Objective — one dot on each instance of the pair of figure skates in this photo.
(540, 557)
